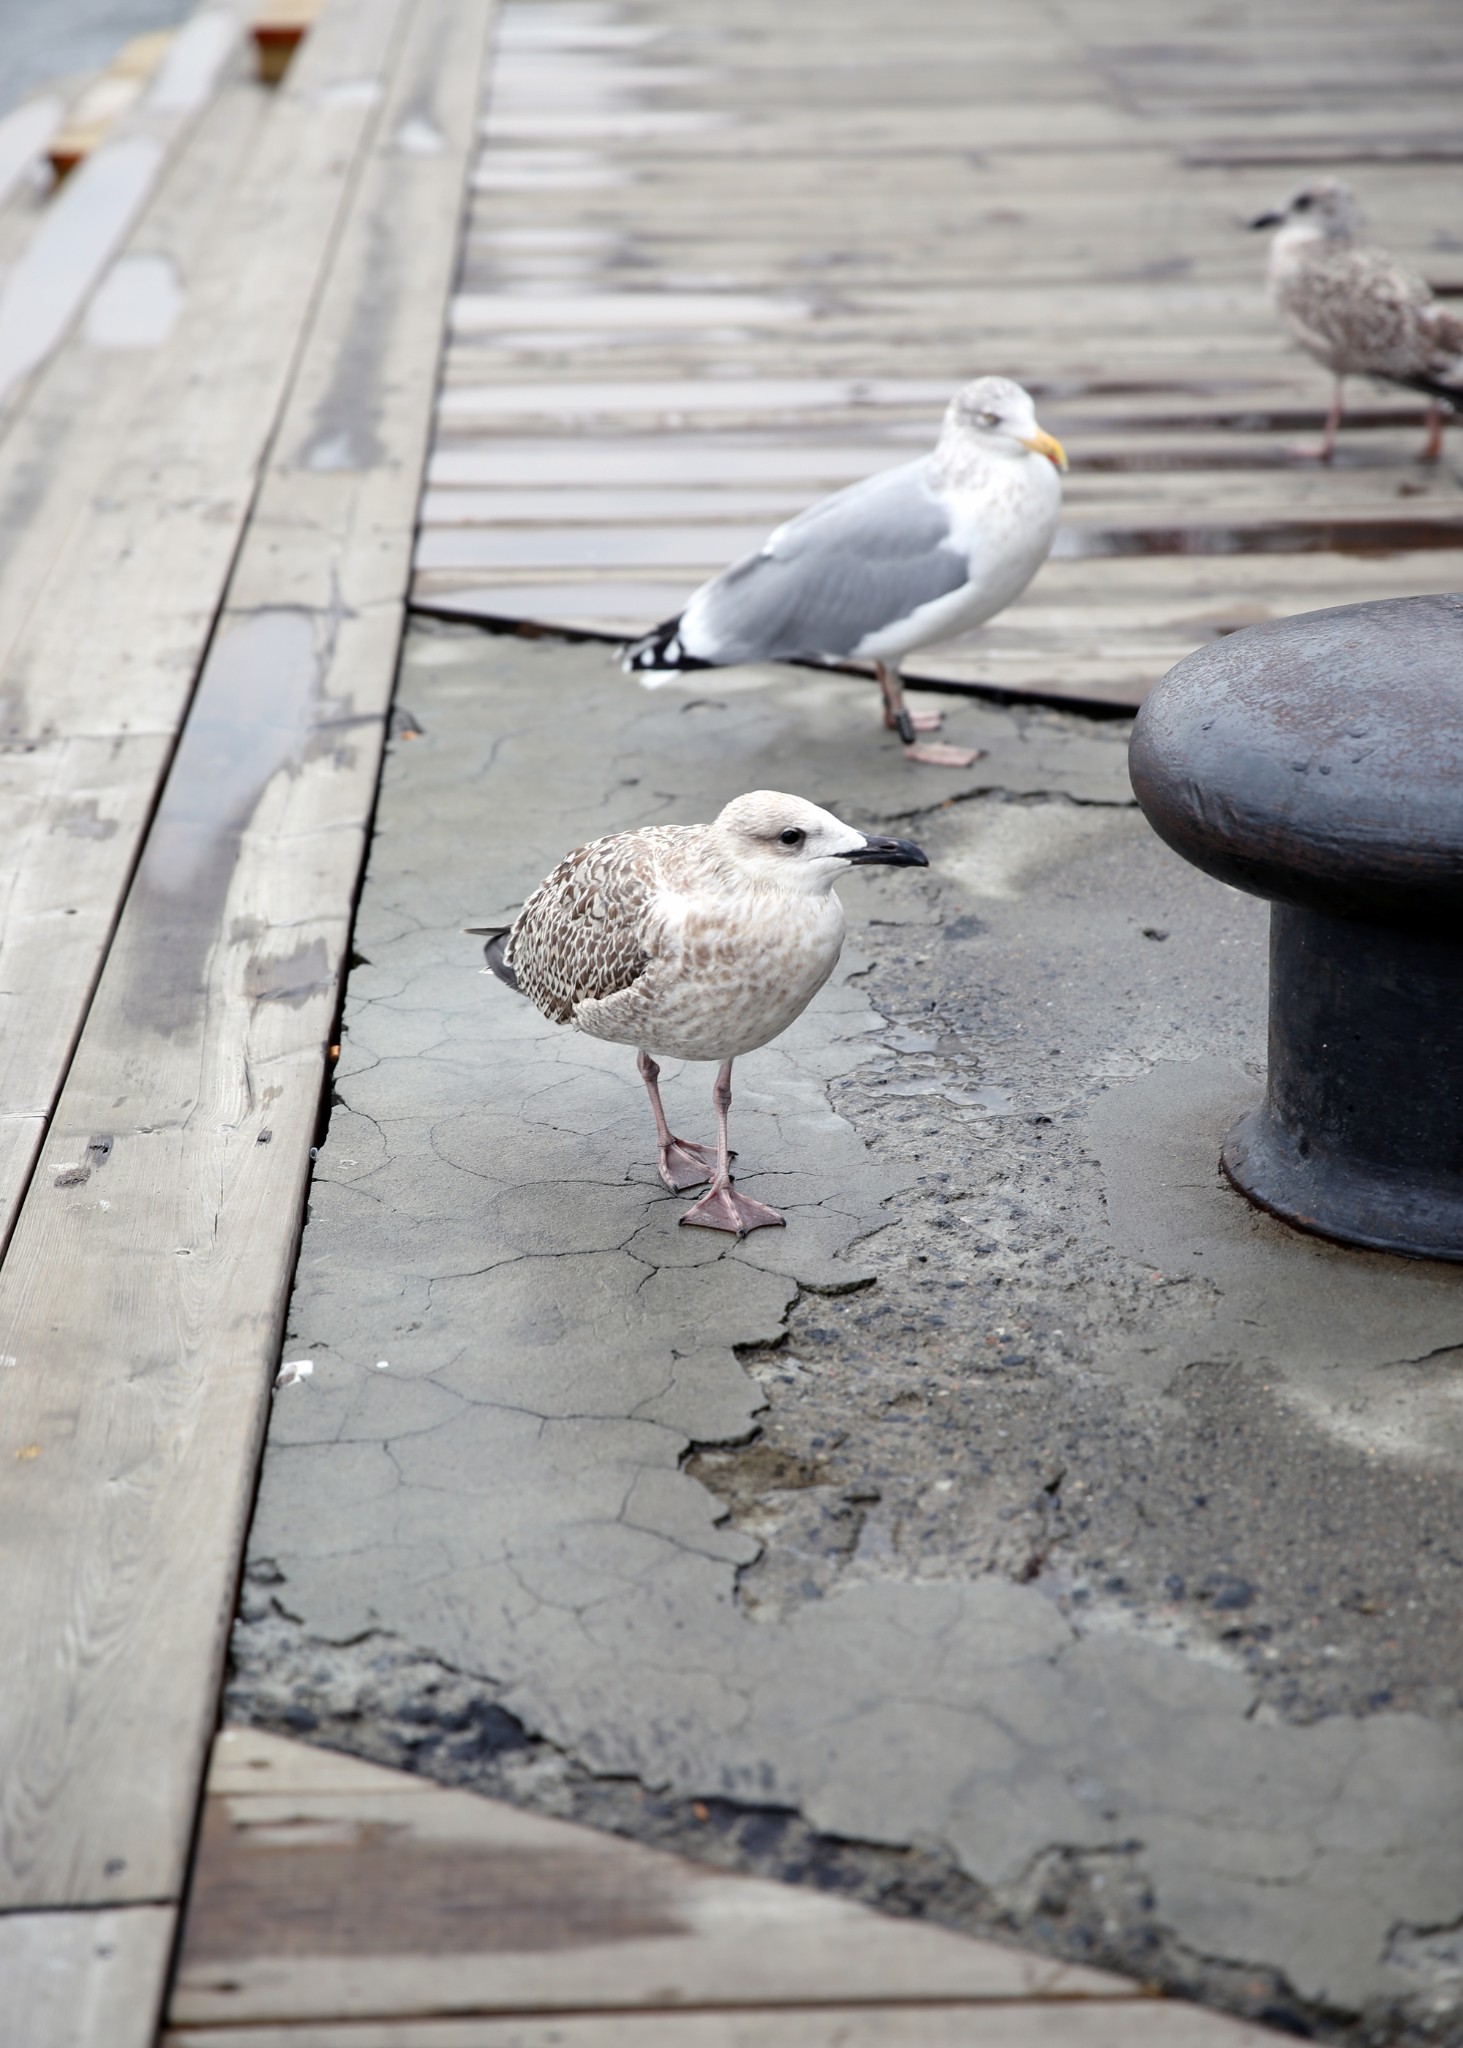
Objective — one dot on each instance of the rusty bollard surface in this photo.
(1318, 761)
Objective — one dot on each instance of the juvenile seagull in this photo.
(911, 555)
(697, 942)
(1357, 310)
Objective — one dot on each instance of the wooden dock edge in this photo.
(144, 1290)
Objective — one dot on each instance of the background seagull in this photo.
(912, 555)
(699, 942)
(1357, 310)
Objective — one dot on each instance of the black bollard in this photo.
(1318, 761)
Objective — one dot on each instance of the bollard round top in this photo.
(1318, 759)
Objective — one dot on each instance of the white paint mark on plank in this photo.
(189, 73)
(68, 252)
(23, 136)
(136, 305)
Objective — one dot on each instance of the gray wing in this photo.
(847, 566)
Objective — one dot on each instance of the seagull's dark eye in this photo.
(792, 836)
(989, 419)
(1302, 205)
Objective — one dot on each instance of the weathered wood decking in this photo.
(242, 542)
(715, 270)
(713, 266)
(339, 1905)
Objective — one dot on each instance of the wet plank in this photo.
(332, 1890)
(81, 1980)
(145, 1285)
(337, 1902)
(123, 491)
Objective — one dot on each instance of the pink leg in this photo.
(721, 1207)
(1432, 447)
(899, 718)
(1327, 447)
(682, 1164)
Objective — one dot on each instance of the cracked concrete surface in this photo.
(1030, 1506)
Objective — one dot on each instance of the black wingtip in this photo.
(1450, 395)
(660, 648)
(495, 952)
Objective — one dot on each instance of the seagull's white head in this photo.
(784, 842)
(1326, 209)
(998, 418)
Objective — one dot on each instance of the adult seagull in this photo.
(909, 556)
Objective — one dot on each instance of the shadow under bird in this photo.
(907, 557)
(1356, 309)
(693, 942)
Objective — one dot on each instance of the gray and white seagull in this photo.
(907, 557)
(1357, 310)
(695, 942)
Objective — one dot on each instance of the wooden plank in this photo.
(125, 536)
(143, 1384)
(1152, 2023)
(328, 1889)
(70, 802)
(84, 1980)
(58, 443)
(24, 133)
(63, 804)
(246, 1761)
(83, 228)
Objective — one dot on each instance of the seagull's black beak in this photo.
(887, 853)
(1266, 220)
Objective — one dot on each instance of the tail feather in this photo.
(659, 648)
(495, 952)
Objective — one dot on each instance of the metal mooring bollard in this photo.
(1318, 761)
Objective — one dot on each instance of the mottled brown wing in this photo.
(1446, 330)
(579, 936)
(1361, 308)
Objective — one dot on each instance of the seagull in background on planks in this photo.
(913, 555)
(696, 942)
(1358, 311)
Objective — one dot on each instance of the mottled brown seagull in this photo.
(694, 942)
(1358, 311)
(907, 557)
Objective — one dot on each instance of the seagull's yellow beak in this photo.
(1047, 445)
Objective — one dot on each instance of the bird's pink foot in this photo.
(939, 754)
(724, 1209)
(927, 721)
(1309, 451)
(684, 1164)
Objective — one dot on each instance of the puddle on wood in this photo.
(1262, 537)
(1276, 420)
(258, 709)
